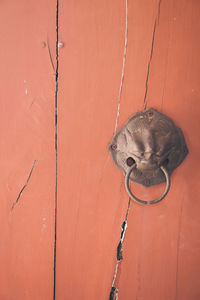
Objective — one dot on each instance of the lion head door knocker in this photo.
(147, 149)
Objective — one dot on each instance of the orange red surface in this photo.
(162, 244)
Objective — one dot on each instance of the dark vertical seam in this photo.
(56, 152)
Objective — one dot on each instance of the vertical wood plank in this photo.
(27, 149)
(167, 264)
(92, 200)
(161, 259)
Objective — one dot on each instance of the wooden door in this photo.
(62, 198)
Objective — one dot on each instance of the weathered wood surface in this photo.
(162, 244)
(27, 141)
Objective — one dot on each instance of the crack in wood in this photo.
(123, 67)
(151, 54)
(50, 55)
(114, 290)
(25, 185)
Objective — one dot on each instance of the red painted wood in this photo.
(161, 248)
(161, 251)
(27, 134)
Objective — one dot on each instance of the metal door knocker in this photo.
(147, 149)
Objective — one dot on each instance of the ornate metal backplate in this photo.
(149, 140)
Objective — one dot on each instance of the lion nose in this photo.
(147, 162)
(148, 155)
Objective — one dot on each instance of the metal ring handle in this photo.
(127, 177)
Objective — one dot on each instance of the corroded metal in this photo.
(148, 140)
(133, 197)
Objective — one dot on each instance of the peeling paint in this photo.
(114, 290)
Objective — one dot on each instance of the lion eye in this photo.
(130, 161)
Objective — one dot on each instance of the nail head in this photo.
(60, 44)
(43, 44)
